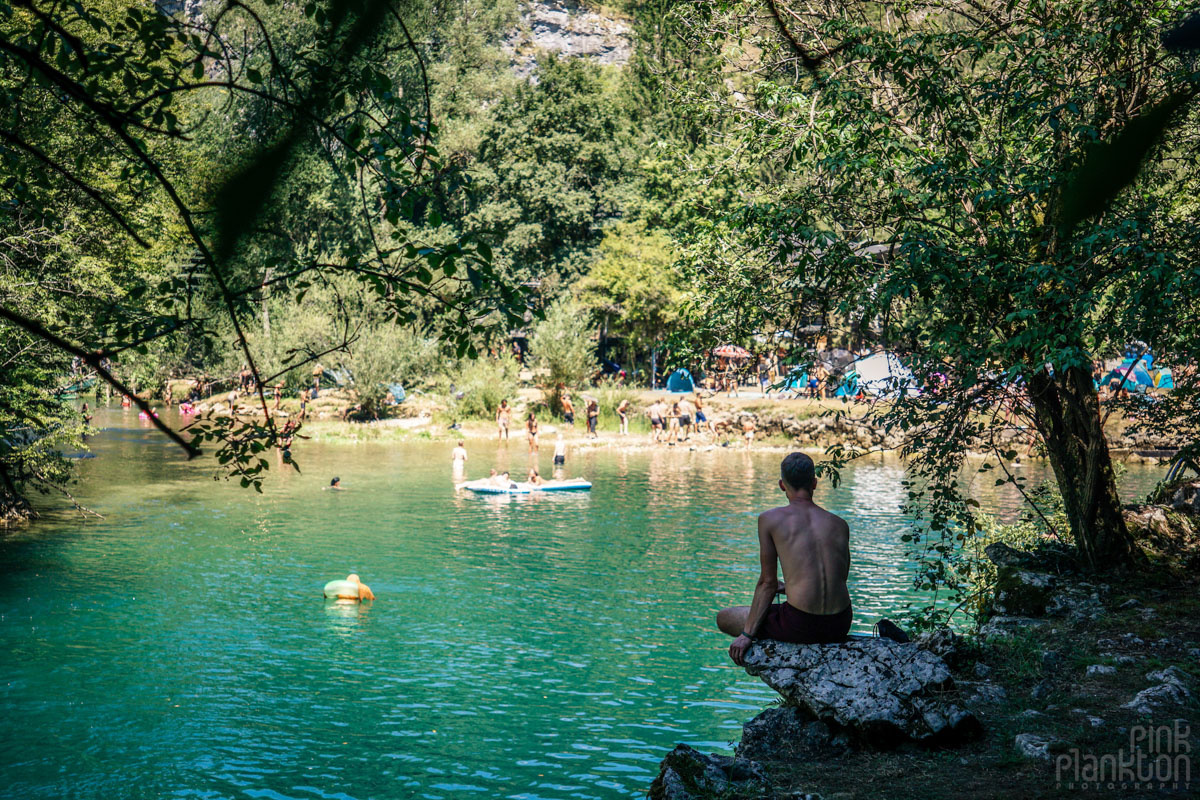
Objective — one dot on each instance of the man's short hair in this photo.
(798, 471)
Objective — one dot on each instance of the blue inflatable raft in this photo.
(486, 487)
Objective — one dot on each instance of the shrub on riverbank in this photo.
(475, 388)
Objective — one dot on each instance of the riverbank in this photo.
(779, 423)
(1066, 671)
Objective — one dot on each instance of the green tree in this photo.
(922, 182)
(550, 171)
(563, 351)
(253, 150)
(633, 287)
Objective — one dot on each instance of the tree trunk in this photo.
(1067, 415)
(653, 367)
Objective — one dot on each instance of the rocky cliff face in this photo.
(567, 28)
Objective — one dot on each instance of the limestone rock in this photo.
(943, 643)
(1004, 625)
(1033, 745)
(1095, 670)
(1186, 499)
(879, 692)
(785, 733)
(1002, 555)
(567, 28)
(1170, 692)
(982, 693)
(1022, 593)
(688, 774)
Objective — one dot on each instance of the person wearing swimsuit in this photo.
(531, 427)
(813, 548)
(503, 414)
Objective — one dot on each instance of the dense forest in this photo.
(393, 192)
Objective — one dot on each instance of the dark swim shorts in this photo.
(786, 623)
(569, 419)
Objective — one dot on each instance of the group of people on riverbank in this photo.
(672, 421)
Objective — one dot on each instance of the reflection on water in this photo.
(542, 646)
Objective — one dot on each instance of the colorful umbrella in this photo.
(731, 351)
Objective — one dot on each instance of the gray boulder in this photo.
(786, 734)
(1033, 746)
(943, 643)
(1170, 692)
(878, 692)
(688, 774)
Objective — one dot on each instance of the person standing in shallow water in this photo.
(813, 548)
(503, 419)
(531, 430)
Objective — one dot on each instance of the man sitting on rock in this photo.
(813, 548)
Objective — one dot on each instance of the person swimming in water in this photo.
(350, 589)
(336, 485)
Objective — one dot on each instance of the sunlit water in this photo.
(525, 647)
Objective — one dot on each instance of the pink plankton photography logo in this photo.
(1159, 758)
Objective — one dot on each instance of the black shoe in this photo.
(886, 629)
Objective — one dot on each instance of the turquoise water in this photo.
(529, 647)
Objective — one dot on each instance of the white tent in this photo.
(882, 375)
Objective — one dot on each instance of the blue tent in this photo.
(796, 380)
(680, 382)
(1164, 379)
(849, 385)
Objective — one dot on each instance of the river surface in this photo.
(552, 646)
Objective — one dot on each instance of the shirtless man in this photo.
(813, 547)
(568, 410)
(503, 418)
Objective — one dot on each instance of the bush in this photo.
(610, 394)
(563, 350)
(386, 354)
(480, 384)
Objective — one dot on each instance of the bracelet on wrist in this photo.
(748, 636)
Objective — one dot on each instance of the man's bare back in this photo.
(813, 547)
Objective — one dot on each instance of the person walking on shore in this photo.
(673, 424)
(531, 430)
(503, 419)
(701, 419)
(623, 414)
(655, 412)
(685, 418)
(568, 410)
(593, 417)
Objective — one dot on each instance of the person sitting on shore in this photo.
(813, 548)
